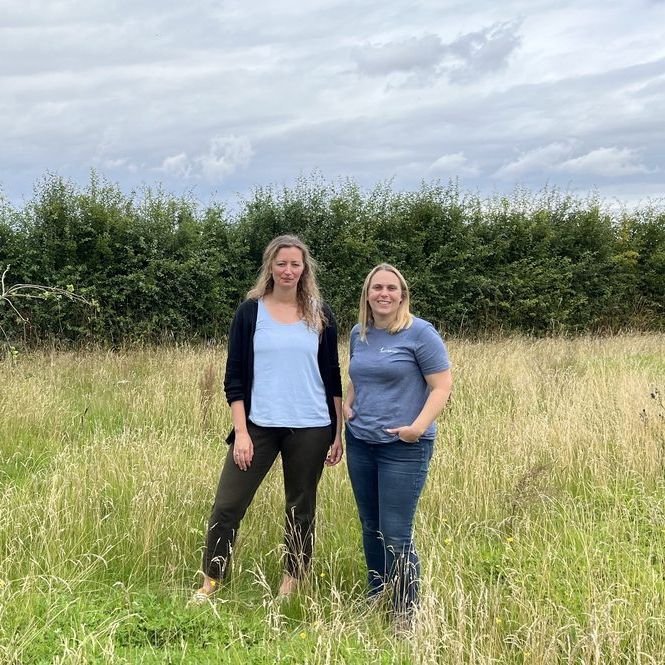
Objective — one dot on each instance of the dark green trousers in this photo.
(303, 452)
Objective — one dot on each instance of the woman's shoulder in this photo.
(247, 305)
(420, 324)
(326, 309)
(421, 327)
(246, 311)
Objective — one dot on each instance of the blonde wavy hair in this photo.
(308, 296)
(403, 319)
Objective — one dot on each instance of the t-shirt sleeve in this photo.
(431, 352)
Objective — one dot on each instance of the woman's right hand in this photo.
(243, 450)
(347, 411)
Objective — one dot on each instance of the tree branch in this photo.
(36, 291)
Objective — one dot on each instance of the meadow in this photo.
(541, 529)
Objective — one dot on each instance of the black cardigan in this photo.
(239, 374)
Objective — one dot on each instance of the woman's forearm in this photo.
(434, 405)
(338, 411)
(350, 395)
(347, 405)
(238, 416)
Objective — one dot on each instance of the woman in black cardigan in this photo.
(284, 387)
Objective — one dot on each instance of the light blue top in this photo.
(388, 375)
(287, 390)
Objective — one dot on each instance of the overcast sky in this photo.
(214, 97)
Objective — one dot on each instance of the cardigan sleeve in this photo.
(333, 378)
(234, 385)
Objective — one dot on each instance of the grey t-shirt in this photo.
(387, 371)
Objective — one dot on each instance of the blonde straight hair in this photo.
(404, 318)
(308, 296)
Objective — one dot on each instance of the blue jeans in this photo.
(387, 481)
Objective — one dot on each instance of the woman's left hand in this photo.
(335, 453)
(406, 433)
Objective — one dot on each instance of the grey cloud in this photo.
(81, 46)
(37, 13)
(140, 89)
(548, 125)
(468, 57)
(483, 52)
(417, 53)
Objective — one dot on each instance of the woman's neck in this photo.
(382, 323)
(283, 309)
(282, 297)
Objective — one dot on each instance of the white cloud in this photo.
(607, 162)
(177, 165)
(454, 164)
(114, 163)
(559, 158)
(540, 159)
(226, 154)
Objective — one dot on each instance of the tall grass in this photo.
(541, 530)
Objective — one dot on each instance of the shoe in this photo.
(376, 600)
(204, 594)
(403, 624)
(288, 587)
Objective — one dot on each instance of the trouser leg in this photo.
(402, 474)
(304, 452)
(235, 492)
(363, 472)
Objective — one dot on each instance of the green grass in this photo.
(541, 529)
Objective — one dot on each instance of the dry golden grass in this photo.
(541, 530)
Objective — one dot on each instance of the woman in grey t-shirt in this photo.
(400, 381)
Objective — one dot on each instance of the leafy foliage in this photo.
(166, 268)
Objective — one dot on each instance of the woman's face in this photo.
(287, 267)
(384, 295)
